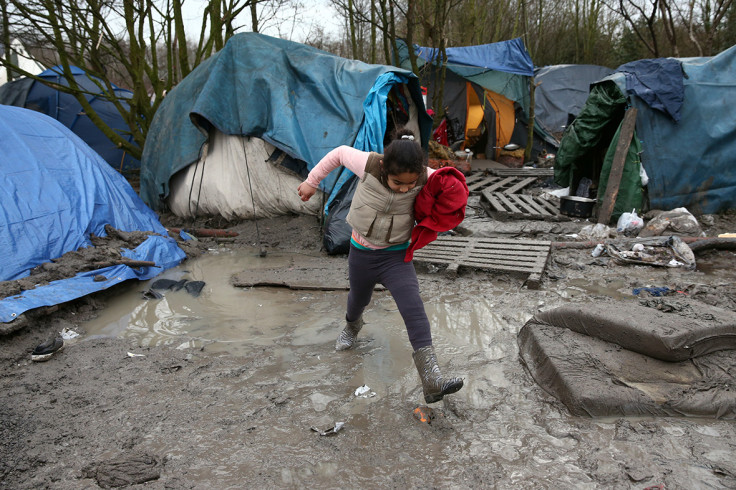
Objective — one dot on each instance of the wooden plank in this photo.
(617, 166)
(532, 203)
(521, 206)
(524, 171)
(506, 200)
(491, 183)
(496, 254)
(523, 183)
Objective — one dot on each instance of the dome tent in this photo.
(64, 107)
(57, 192)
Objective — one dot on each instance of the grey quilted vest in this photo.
(382, 216)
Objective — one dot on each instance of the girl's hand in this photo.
(305, 191)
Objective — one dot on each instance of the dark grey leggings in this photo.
(370, 267)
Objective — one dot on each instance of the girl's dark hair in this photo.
(403, 154)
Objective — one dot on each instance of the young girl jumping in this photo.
(382, 217)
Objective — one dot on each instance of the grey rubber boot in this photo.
(434, 385)
(347, 337)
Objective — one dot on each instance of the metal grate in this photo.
(527, 257)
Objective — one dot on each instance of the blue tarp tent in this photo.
(56, 192)
(31, 94)
(302, 100)
(685, 134)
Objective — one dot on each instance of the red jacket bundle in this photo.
(440, 206)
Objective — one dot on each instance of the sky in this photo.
(286, 25)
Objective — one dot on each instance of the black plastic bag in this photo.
(336, 239)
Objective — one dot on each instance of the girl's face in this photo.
(403, 182)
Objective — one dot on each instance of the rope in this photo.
(252, 199)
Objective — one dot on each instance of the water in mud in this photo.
(500, 430)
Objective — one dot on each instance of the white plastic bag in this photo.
(629, 223)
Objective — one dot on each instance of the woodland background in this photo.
(148, 46)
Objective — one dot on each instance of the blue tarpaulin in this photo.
(689, 158)
(507, 56)
(658, 82)
(55, 192)
(303, 101)
(32, 94)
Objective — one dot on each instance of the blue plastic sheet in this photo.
(508, 56)
(161, 250)
(55, 192)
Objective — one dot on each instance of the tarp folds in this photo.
(238, 179)
(56, 192)
(507, 56)
(604, 360)
(689, 162)
(32, 94)
(303, 101)
(561, 92)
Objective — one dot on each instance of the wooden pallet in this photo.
(496, 254)
(523, 172)
(519, 206)
(478, 182)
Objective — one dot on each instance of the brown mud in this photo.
(95, 416)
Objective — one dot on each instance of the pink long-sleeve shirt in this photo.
(352, 159)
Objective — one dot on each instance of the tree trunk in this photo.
(254, 15)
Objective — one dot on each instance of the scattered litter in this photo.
(598, 250)
(130, 354)
(45, 350)
(678, 220)
(187, 236)
(331, 431)
(599, 231)
(653, 291)
(663, 252)
(68, 334)
(192, 287)
(424, 414)
(151, 294)
(629, 223)
(364, 392)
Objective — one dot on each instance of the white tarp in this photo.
(220, 183)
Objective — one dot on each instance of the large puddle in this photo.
(224, 318)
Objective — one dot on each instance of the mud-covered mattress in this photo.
(657, 357)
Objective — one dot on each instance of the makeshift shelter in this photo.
(56, 192)
(19, 57)
(561, 91)
(32, 94)
(685, 136)
(486, 94)
(238, 134)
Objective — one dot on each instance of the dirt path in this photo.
(93, 416)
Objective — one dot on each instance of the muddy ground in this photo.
(93, 416)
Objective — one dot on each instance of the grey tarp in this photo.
(627, 359)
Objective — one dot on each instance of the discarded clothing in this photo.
(440, 206)
(192, 287)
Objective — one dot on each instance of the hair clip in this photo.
(409, 137)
